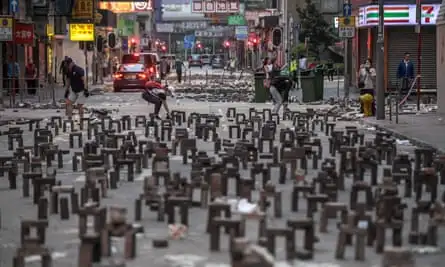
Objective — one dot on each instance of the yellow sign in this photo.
(49, 30)
(82, 32)
(6, 29)
(83, 9)
(346, 21)
(117, 7)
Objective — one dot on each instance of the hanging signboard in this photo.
(24, 33)
(83, 9)
(127, 7)
(6, 27)
(215, 6)
(126, 27)
(82, 32)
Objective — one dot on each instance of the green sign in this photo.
(126, 27)
(236, 20)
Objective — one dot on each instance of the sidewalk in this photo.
(424, 130)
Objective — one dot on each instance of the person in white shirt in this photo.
(302, 63)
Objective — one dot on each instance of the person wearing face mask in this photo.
(368, 78)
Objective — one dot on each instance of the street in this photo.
(62, 236)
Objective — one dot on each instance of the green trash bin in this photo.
(312, 86)
(261, 93)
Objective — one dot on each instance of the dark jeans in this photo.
(153, 100)
(179, 76)
(31, 86)
(330, 73)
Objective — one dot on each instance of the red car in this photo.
(130, 77)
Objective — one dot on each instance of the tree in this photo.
(315, 28)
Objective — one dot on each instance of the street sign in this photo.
(346, 27)
(346, 21)
(6, 26)
(346, 32)
(347, 10)
(210, 34)
(188, 41)
(14, 6)
(236, 20)
(241, 32)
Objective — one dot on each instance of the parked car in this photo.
(217, 62)
(206, 59)
(195, 60)
(130, 77)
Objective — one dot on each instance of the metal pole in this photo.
(85, 53)
(213, 46)
(380, 114)
(419, 50)
(347, 63)
(169, 43)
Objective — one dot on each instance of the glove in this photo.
(86, 93)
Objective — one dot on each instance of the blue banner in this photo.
(124, 44)
(189, 40)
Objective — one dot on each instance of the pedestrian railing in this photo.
(19, 90)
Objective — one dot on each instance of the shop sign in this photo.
(127, 7)
(82, 32)
(215, 6)
(24, 33)
(6, 27)
(83, 9)
(397, 15)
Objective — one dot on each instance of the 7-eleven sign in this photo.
(429, 13)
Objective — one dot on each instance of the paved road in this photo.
(62, 235)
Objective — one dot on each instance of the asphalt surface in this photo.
(194, 249)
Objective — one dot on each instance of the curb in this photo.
(415, 141)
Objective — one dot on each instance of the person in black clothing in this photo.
(330, 70)
(64, 69)
(178, 66)
(279, 89)
(76, 90)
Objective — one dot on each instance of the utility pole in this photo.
(348, 53)
(419, 48)
(380, 114)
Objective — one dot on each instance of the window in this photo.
(131, 68)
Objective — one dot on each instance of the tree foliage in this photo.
(315, 28)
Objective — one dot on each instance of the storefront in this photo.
(400, 37)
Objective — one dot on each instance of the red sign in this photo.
(23, 33)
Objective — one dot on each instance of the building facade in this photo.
(400, 37)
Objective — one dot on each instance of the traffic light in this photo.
(199, 45)
(163, 48)
(81, 45)
(100, 44)
(90, 46)
(133, 45)
(111, 40)
(226, 44)
(276, 37)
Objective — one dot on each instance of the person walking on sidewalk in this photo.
(76, 90)
(64, 70)
(165, 68)
(405, 73)
(178, 66)
(13, 74)
(330, 70)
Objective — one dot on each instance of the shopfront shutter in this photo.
(404, 39)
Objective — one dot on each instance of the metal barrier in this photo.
(20, 90)
(207, 76)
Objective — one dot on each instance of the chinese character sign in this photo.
(24, 33)
(83, 9)
(82, 32)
